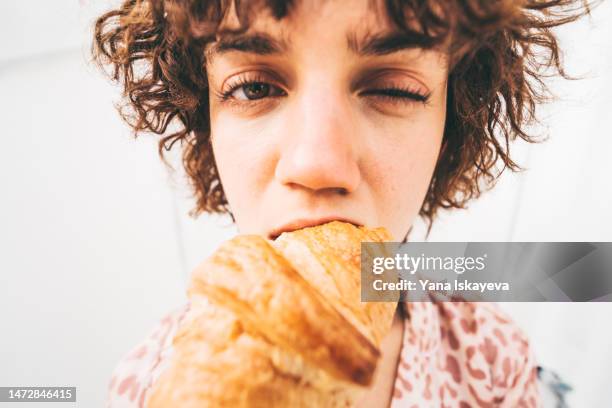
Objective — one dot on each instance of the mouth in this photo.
(305, 223)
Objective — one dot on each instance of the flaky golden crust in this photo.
(277, 324)
(329, 258)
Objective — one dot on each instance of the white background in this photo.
(96, 244)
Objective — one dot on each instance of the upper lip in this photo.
(307, 222)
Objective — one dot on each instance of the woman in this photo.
(294, 113)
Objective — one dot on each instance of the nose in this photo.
(320, 147)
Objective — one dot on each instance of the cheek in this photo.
(243, 159)
(402, 166)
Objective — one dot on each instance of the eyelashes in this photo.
(395, 94)
(245, 90)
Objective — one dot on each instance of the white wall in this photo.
(95, 243)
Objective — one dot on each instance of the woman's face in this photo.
(325, 114)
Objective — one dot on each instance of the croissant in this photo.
(278, 324)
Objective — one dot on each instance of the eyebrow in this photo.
(368, 45)
(388, 43)
(257, 43)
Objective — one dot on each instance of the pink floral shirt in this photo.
(453, 354)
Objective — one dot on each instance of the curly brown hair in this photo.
(500, 52)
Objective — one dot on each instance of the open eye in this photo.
(252, 90)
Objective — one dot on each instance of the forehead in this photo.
(359, 26)
(355, 19)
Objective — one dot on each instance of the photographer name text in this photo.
(428, 285)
